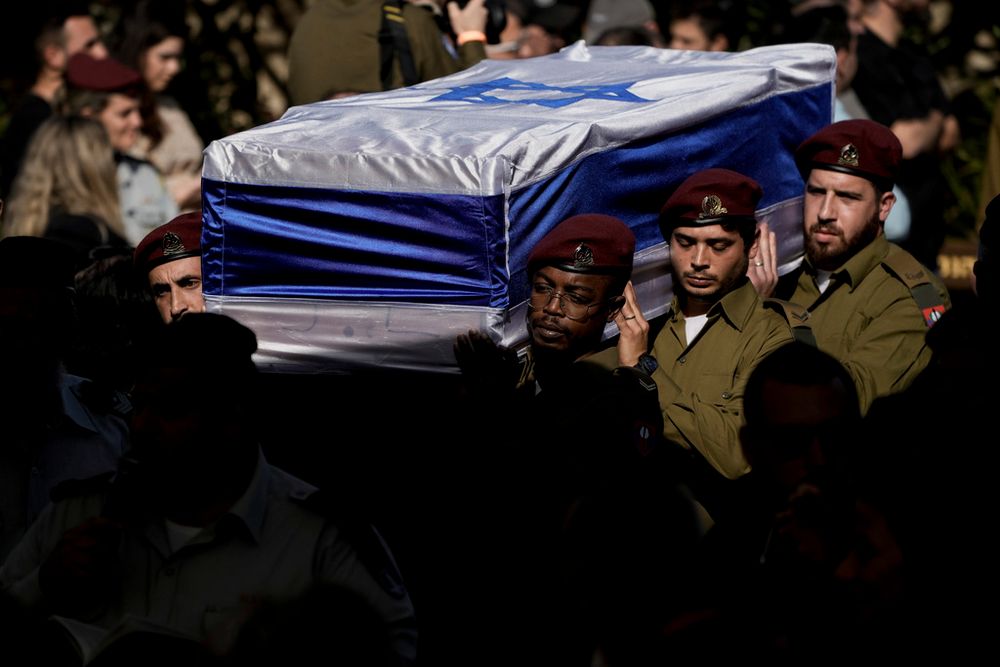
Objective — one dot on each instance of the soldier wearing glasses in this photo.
(579, 271)
(580, 275)
(549, 437)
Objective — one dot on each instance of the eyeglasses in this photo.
(573, 306)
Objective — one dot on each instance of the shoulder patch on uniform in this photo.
(72, 488)
(906, 268)
(922, 285)
(793, 312)
(797, 317)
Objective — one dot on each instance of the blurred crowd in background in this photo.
(235, 58)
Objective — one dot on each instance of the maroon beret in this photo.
(179, 238)
(711, 197)
(859, 147)
(586, 243)
(103, 75)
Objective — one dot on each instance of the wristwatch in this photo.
(647, 363)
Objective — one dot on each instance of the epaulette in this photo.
(362, 535)
(797, 318)
(919, 281)
(72, 488)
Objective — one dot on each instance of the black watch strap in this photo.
(647, 364)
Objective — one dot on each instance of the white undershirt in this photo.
(693, 326)
(178, 534)
(823, 280)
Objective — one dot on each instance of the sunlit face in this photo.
(176, 288)
(162, 62)
(122, 119)
(842, 215)
(707, 263)
(548, 326)
(80, 36)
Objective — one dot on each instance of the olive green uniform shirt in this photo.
(701, 382)
(869, 320)
(335, 49)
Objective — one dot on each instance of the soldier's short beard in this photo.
(821, 259)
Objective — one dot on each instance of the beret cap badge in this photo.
(583, 256)
(711, 207)
(848, 156)
(172, 244)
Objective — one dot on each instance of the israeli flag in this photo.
(370, 231)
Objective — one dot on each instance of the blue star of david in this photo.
(479, 93)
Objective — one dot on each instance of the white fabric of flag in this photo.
(370, 231)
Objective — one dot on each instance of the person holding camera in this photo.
(347, 47)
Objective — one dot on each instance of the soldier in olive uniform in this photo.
(573, 431)
(716, 331)
(169, 258)
(578, 272)
(347, 47)
(870, 302)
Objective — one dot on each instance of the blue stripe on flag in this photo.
(366, 246)
(632, 182)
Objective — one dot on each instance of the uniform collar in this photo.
(854, 270)
(736, 307)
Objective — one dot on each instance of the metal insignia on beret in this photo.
(848, 156)
(172, 244)
(711, 207)
(583, 256)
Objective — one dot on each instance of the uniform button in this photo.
(682, 360)
(726, 395)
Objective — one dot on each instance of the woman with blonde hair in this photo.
(67, 189)
(152, 39)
